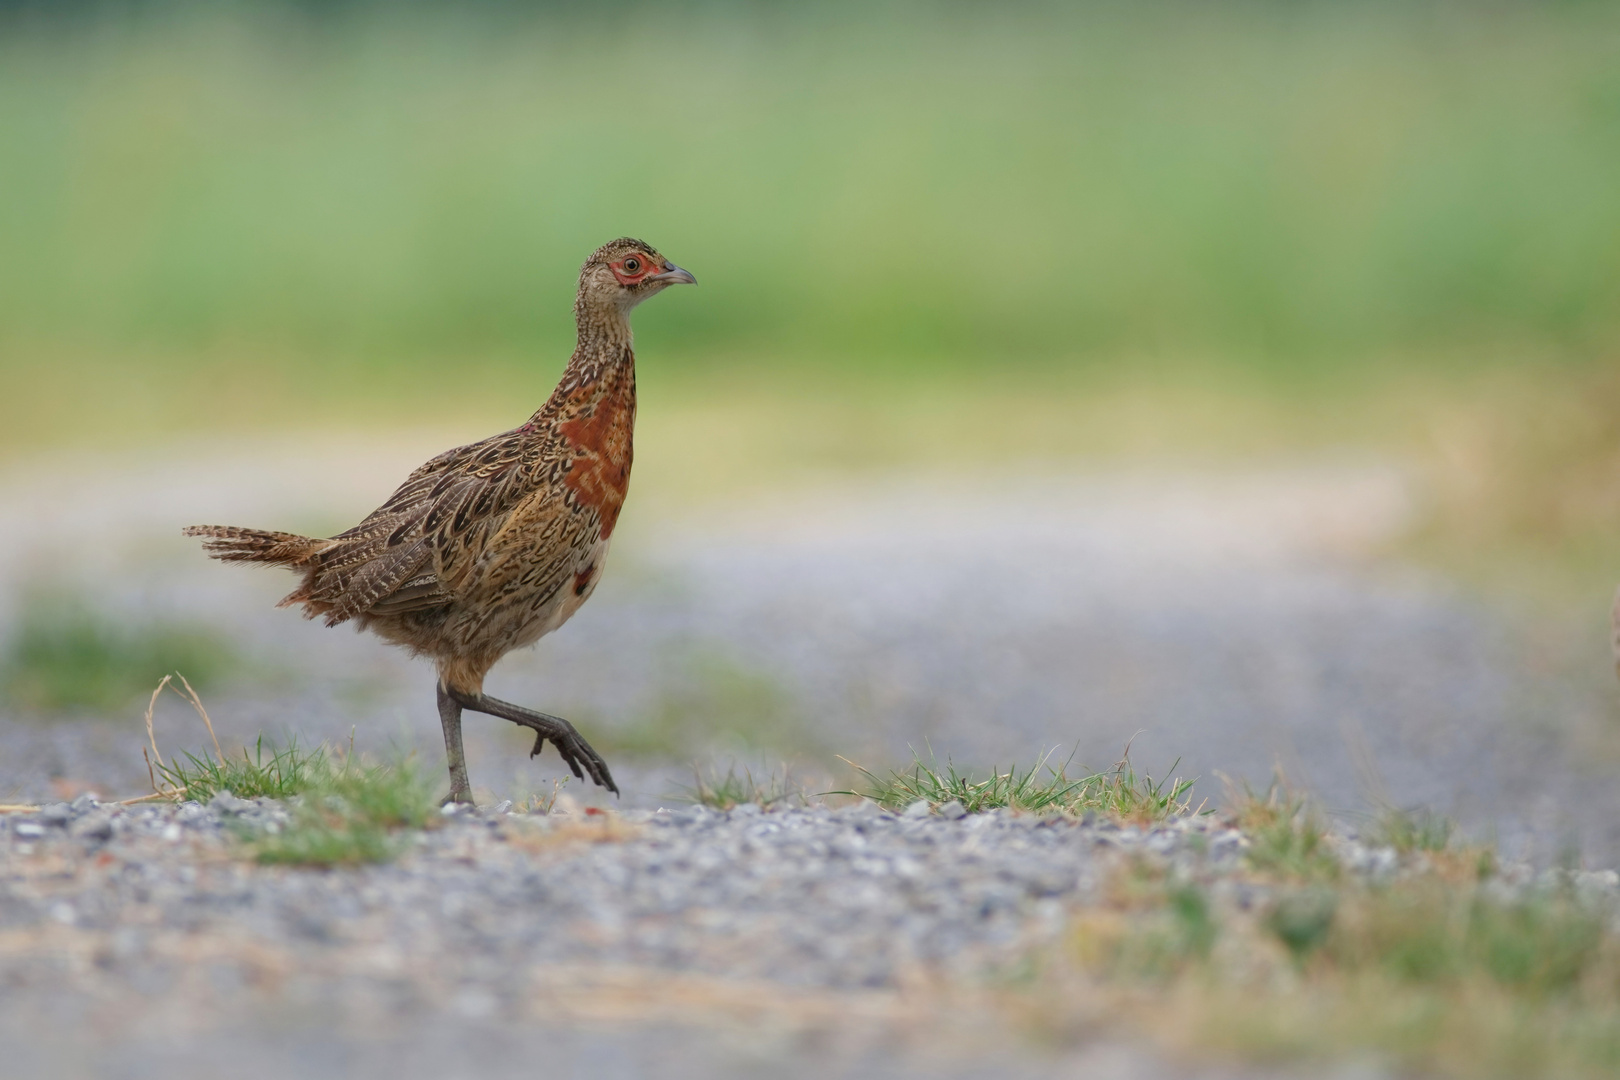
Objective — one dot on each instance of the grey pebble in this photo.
(97, 827)
(56, 813)
(227, 803)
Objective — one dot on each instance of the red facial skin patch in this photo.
(649, 266)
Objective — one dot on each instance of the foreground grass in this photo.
(342, 811)
(289, 771)
(1441, 968)
(1043, 788)
(350, 814)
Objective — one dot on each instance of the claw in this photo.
(571, 747)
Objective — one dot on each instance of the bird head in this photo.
(624, 272)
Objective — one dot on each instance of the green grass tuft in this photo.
(1043, 788)
(1301, 919)
(343, 811)
(1286, 837)
(289, 771)
(1428, 932)
(1152, 929)
(725, 792)
(1434, 971)
(350, 814)
(1414, 830)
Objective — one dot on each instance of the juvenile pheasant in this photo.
(491, 546)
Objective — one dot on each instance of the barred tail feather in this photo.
(231, 544)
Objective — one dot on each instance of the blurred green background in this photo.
(924, 231)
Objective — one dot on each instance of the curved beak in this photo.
(674, 275)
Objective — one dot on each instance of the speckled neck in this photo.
(605, 341)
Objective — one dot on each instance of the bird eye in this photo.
(632, 265)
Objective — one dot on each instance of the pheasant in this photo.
(490, 546)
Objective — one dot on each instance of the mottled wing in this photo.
(394, 560)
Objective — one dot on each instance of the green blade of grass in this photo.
(1042, 788)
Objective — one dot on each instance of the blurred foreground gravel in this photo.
(816, 940)
(138, 941)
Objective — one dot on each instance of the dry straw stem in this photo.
(33, 808)
(162, 790)
(159, 790)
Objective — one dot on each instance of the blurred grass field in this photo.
(926, 233)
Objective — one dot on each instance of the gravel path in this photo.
(1233, 621)
(774, 932)
(136, 939)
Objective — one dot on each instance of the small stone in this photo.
(746, 809)
(1048, 882)
(85, 802)
(227, 803)
(97, 828)
(953, 810)
(502, 807)
(865, 808)
(59, 813)
(918, 809)
(28, 828)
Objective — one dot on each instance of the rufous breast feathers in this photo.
(598, 429)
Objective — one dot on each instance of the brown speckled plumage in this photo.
(490, 546)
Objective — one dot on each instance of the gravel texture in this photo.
(1234, 622)
(823, 941)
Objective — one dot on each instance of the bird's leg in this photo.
(450, 719)
(569, 743)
